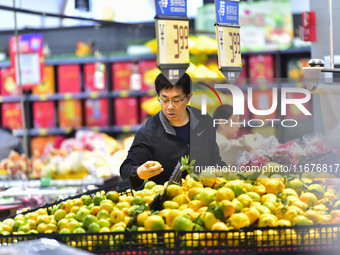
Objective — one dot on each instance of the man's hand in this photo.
(149, 169)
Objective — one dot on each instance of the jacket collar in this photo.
(169, 129)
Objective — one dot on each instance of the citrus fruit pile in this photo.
(196, 204)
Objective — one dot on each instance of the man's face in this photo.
(173, 102)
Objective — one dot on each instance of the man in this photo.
(165, 137)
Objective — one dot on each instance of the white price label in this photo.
(173, 41)
(229, 50)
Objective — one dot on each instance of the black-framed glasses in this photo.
(175, 102)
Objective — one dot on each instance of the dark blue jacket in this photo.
(156, 140)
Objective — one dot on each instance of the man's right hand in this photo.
(149, 169)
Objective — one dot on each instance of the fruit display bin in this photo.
(123, 187)
(279, 240)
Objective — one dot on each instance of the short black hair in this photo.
(183, 83)
(223, 112)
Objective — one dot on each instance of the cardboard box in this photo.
(89, 78)
(96, 112)
(125, 111)
(263, 100)
(69, 78)
(121, 75)
(11, 115)
(39, 143)
(44, 115)
(8, 86)
(144, 67)
(261, 66)
(47, 86)
(70, 113)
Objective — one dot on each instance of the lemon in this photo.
(239, 220)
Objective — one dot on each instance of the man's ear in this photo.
(189, 95)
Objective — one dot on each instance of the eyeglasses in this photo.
(175, 102)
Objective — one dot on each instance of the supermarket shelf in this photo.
(54, 183)
(80, 95)
(87, 95)
(303, 50)
(10, 99)
(63, 131)
(132, 93)
(91, 59)
(25, 192)
(5, 64)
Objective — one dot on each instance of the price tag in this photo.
(173, 41)
(125, 128)
(229, 50)
(151, 92)
(43, 97)
(45, 181)
(94, 94)
(42, 131)
(123, 93)
(68, 96)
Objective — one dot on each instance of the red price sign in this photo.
(173, 41)
(229, 50)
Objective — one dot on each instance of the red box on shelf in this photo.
(44, 115)
(143, 113)
(89, 78)
(11, 115)
(47, 85)
(292, 112)
(121, 75)
(69, 78)
(145, 66)
(96, 112)
(263, 100)
(8, 85)
(70, 113)
(125, 111)
(261, 66)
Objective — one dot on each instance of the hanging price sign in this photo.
(228, 39)
(172, 31)
(229, 54)
(173, 41)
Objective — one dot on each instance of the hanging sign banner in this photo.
(228, 38)
(171, 8)
(172, 32)
(31, 59)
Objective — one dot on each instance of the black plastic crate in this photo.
(281, 240)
